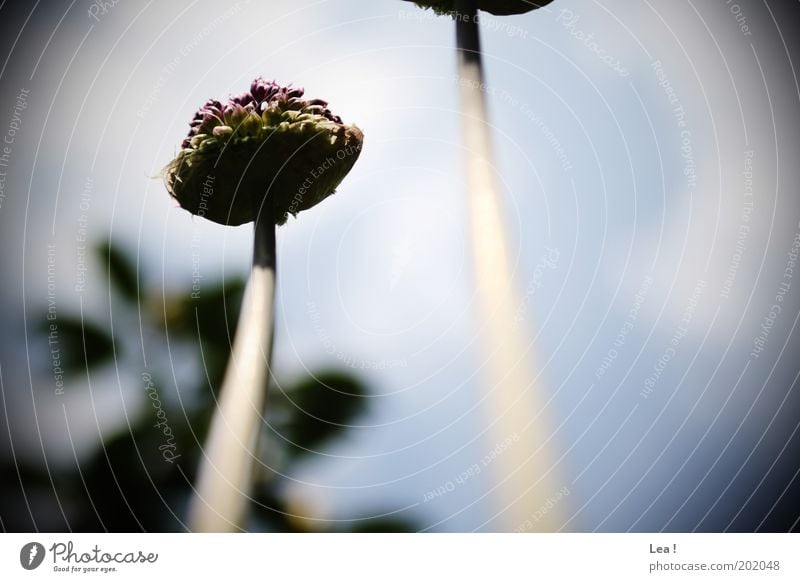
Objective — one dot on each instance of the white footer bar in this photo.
(401, 557)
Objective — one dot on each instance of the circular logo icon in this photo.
(31, 555)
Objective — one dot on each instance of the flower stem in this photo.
(225, 474)
(514, 399)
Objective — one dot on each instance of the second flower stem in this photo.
(225, 474)
(514, 401)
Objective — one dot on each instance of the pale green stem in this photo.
(514, 401)
(225, 474)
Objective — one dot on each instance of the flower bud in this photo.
(264, 151)
(497, 7)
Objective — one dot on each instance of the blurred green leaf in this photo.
(128, 484)
(211, 313)
(28, 501)
(208, 319)
(317, 409)
(268, 509)
(122, 273)
(81, 344)
(215, 311)
(140, 478)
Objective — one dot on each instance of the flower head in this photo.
(266, 150)
(497, 7)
